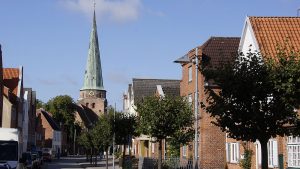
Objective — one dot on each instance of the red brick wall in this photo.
(48, 132)
(211, 149)
(40, 132)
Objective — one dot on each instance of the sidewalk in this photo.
(101, 164)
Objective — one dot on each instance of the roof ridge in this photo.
(274, 17)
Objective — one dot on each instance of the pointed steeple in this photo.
(93, 73)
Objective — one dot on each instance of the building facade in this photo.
(267, 35)
(52, 132)
(211, 140)
(145, 146)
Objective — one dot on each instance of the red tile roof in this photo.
(273, 31)
(11, 79)
(217, 50)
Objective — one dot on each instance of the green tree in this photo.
(255, 101)
(125, 128)
(162, 118)
(63, 109)
(40, 104)
(102, 134)
(85, 140)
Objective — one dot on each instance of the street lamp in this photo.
(183, 60)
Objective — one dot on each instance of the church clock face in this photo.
(91, 93)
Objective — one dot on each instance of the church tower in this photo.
(93, 94)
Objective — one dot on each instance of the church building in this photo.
(92, 100)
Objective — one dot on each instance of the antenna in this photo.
(94, 4)
(298, 11)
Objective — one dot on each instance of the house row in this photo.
(215, 148)
(18, 110)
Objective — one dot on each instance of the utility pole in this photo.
(114, 138)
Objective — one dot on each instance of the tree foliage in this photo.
(162, 118)
(40, 104)
(125, 127)
(63, 109)
(257, 99)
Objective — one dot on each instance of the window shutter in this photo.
(275, 153)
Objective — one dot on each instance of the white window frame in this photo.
(190, 99)
(293, 151)
(272, 153)
(232, 152)
(190, 76)
(184, 148)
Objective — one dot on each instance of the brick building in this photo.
(13, 98)
(216, 150)
(51, 132)
(265, 35)
(211, 141)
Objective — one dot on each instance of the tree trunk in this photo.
(129, 149)
(159, 153)
(124, 153)
(264, 153)
(91, 156)
(106, 150)
(96, 154)
(87, 154)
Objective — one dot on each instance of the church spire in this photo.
(93, 73)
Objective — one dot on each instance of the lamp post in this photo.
(196, 109)
(184, 60)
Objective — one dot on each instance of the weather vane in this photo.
(94, 4)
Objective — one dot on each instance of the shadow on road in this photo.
(64, 163)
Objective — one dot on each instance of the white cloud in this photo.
(115, 10)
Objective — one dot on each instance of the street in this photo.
(64, 163)
(76, 162)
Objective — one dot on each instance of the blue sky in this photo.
(138, 38)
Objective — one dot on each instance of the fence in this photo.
(167, 163)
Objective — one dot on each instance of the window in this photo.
(293, 148)
(190, 74)
(272, 153)
(232, 152)
(153, 147)
(93, 105)
(184, 151)
(190, 99)
(87, 104)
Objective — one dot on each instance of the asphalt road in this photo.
(64, 163)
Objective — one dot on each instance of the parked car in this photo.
(41, 156)
(31, 161)
(47, 157)
(36, 157)
(4, 165)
